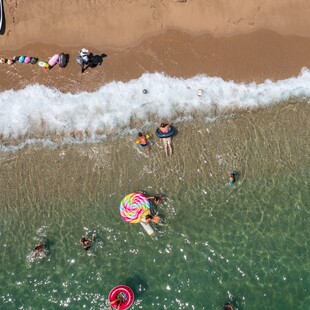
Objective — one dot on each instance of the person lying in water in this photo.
(117, 302)
(86, 243)
(39, 248)
(151, 218)
(156, 199)
(228, 306)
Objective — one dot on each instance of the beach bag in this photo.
(10, 61)
(62, 60)
(53, 60)
(33, 60)
(21, 59)
(95, 61)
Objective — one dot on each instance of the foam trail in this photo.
(38, 113)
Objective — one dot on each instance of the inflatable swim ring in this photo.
(126, 293)
(168, 134)
(43, 64)
(62, 60)
(53, 60)
(21, 59)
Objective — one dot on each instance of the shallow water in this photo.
(248, 243)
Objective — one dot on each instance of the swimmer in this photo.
(87, 243)
(156, 199)
(232, 178)
(164, 128)
(119, 300)
(150, 218)
(143, 141)
(39, 248)
(228, 306)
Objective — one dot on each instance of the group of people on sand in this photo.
(84, 58)
(164, 128)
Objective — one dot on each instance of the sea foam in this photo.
(38, 114)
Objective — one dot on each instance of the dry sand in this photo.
(238, 40)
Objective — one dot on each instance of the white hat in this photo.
(84, 50)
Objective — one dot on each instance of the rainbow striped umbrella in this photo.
(134, 206)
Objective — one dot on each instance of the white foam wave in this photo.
(38, 113)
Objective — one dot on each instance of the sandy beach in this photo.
(180, 38)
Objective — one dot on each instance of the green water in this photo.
(248, 243)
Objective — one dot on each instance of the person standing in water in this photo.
(144, 143)
(165, 128)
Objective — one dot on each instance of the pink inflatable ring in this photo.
(123, 291)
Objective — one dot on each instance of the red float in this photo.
(127, 294)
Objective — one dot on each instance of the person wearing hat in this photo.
(83, 59)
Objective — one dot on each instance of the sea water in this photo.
(67, 161)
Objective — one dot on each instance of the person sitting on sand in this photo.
(143, 141)
(165, 128)
(118, 301)
(228, 306)
(83, 59)
(156, 199)
(86, 243)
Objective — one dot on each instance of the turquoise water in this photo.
(248, 243)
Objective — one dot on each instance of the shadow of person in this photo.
(96, 60)
(2, 19)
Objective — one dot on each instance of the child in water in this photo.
(143, 141)
(232, 178)
(156, 199)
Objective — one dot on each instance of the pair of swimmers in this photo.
(40, 247)
(153, 218)
(143, 139)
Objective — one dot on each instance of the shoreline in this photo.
(244, 58)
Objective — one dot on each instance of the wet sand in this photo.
(243, 58)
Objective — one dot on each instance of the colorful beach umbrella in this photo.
(134, 206)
